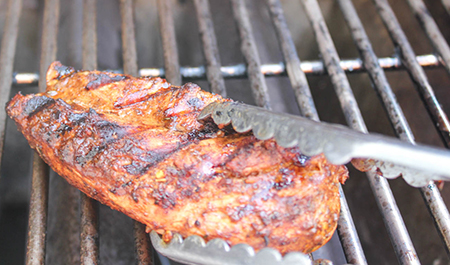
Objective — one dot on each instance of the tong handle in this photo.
(420, 157)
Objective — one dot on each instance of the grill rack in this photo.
(214, 74)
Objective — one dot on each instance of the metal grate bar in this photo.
(432, 31)
(415, 71)
(348, 234)
(89, 238)
(129, 53)
(401, 241)
(39, 181)
(331, 60)
(89, 241)
(167, 28)
(141, 238)
(7, 52)
(142, 244)
(168, 37)
(439, 211)
(250, 52)
(89, 34)
(37, 217)
(394, 223)
(428, 61)
(49, 40)
(210, 48)
(446, 4)
(293, 64)
(346, 228)
(430, 193)
(375, 71)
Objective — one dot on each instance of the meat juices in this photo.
(135, 145)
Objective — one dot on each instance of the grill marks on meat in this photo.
(135, 144)
(103, 79)
(37, 104)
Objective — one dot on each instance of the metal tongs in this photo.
(388, 156)
(194, 250)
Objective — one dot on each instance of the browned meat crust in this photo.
(135, 144)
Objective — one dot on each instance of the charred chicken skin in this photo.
(135, 145)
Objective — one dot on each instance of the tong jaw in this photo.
(287, 132)
(338, 143)
(194, 250)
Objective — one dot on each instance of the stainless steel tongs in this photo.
(390, 157)
(194, 250)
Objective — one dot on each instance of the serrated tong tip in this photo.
(194, 250)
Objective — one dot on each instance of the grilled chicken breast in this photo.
(135, 145)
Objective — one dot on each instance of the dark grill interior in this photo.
(227, 47)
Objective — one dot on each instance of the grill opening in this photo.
(283, 55)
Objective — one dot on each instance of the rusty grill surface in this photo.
(327, 65)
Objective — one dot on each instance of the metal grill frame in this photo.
(215, 74)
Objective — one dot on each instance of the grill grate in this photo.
(255, 71)
(89, 241)
(169, 43)
(89, 230)
(210, 48)
(432, 31)
(428, 61)
(416, 72)
(37, 225)
(351, 244)
(142, 241)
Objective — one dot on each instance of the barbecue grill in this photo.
(267, 78)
